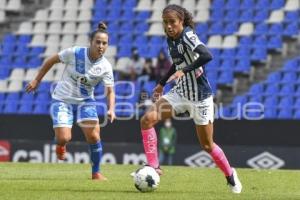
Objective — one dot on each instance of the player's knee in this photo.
(207, 147)
(93, 138)
(62, 140)
(147, 120)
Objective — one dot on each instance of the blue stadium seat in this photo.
(24, 39)
(259, 54)
(243, 66)
(113, 14)
(12, 96)
(126, 27)
(231, 28)
(256, 89)
(25, 108)
(261, 14)
(291, 30)
(275, 29)
(26, 97)
(142, 15)
(245, 41)
(286, 102)
(149, 86)
(297, 103)
(247, 4)
(262, 4)
(291, 16)
(125, 40)
(7, 49)
(289, 77)
(22, 50)
(140, 39)
(277, 4)
(129, 4)
(20, 62)
(271, 89)
(218, 4)
(260, 41)
(271, 101)
(140, 28)
(34, 62)
(270, 112)
(36, 51)
(201, 28)
(41, 108)
(10, 107)
(124, 51)
(274, 77)
(297, 114)
(9, 39)
(232, 4)
(243, 52)
(226, 77)
(275, 43)
(239, 100)
(216, 28)
(42, 97)
(232, 15)
(285, 113)
(246, 16)
(290, 66)
(127, 15)
(287, 89)
(114, 4)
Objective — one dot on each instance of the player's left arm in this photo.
(204, 57)
(110, 94)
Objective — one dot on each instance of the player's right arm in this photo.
(32, 85)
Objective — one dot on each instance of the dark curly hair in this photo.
(182, 14)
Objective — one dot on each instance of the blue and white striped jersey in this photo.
(193, 85)
(81, 75)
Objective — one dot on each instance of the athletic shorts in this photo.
(202, 112)
(63, 114)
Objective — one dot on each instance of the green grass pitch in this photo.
(22, 181)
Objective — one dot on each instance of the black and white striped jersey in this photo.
(193, 85)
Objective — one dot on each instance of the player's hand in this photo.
(178, 74)
(157, 92)
(32, 86)
(111, 115)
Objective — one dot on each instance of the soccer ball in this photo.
(146, 179)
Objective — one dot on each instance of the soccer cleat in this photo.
(159, 171)
(61, 152)
(98, 176)
(234, 183)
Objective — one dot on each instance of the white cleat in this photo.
(234, 183)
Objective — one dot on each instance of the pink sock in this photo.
(150, 147)
(220, 159)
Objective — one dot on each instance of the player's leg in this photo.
(62, 136)
(62, 117)
(159, 111)
(89, 124)
(203, 118)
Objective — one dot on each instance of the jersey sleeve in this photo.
(66, 55)
(192, 40)
(108, 77)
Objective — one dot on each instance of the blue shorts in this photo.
(63, 114)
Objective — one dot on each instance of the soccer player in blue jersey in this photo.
(73, 96)
(192, 92)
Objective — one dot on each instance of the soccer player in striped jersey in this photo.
(192, 92)
(73, 96)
